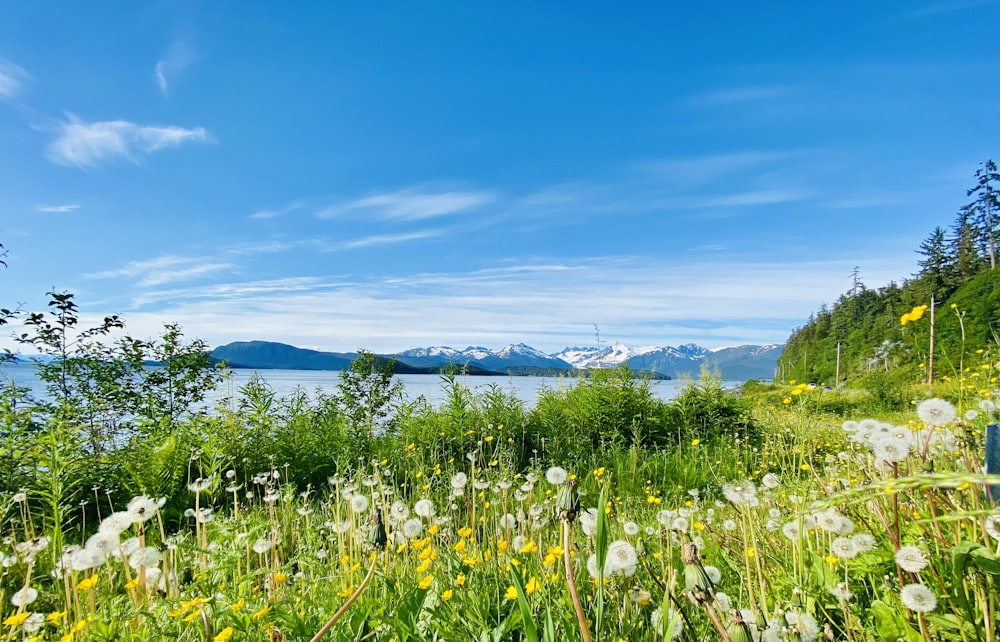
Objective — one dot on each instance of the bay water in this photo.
(430, 387)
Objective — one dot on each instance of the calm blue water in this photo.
(284, 382)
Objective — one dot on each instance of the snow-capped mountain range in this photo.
(740, 362)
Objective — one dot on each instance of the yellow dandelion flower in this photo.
(502, 545)
(488, 439)
(191, 616)
(532, 586)
(460, 547)
(530, 547)
(224, 635)
(447, 595)
(67, 638)
(422, 568)
(426, 581)
(280, 578)
(132, 584)
(695, 442)
(511, 593)
(465, 531)
(55, 617)
(89, 583)
(346, 592)
(17, 619)
(434, 529)
(460, 580)
(549, 560)
(653, 500)
(238, 606)
(261, 614)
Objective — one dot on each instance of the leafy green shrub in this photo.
(707, 412)
(609, 408)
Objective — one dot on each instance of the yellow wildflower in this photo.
(17, 619)
(532, 586)
(465, 531)
(224, 635)
(261, 614)
(238, 606)
(511, 593)
(447, 595)
(426, 581)
(89, 583)
(55, 616)
(460, 580)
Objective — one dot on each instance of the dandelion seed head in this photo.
(936, 412)
(911, 559)
(556, 475)
(918, 598)
(424, 508)
(23, 597)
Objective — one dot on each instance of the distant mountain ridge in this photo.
(731, 363)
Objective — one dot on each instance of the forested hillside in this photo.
(957, 282)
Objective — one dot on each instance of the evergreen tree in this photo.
(935, 266)
(984, 209)
(967, 262)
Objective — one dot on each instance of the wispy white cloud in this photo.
(11, 77)
(411, 204)
(58, 209)
(82, 144)
(940, 8)
(736, 95)
(753, 198)
(163, 270)
(390, 239)
(281, 211)
(548, 304)
(178, 57)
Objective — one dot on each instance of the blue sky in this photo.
(388, 175)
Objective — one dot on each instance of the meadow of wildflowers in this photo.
(819, 526)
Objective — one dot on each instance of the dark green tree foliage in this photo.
(369, 394)
(955, 268)
(110, 388)
(983, 210)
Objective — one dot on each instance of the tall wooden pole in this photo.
(836, 381)
(930, 356)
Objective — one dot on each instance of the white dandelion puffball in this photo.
(713, 574)
(911, 559)
(588, 521)
(145, 556)
(621, 558)
(117, 523)
(556, 475)
(993, 526)
(261, 546)
(413, 527)
(23, 597)
(844, 548)
(424, 508)
(674, 622)
(459, 480)
(936, 412)
(359, 503)
(864, 542)
(398, 512)
(918, 598)
(631, 529)
(770, 480)
(142, 508)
